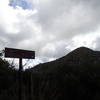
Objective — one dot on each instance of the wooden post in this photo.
(31, 87)
(20, 78)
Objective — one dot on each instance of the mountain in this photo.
(74, 76)
(78, 57)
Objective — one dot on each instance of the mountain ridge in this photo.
(79, 56)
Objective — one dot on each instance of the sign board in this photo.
(19, 53)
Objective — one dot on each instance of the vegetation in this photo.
(75, 76)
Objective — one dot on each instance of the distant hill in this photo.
(74, 76)
(78, 57)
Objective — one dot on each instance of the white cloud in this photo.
(16, 24)
(7, 17)
(66, 19)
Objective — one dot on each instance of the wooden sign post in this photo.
(18, 53)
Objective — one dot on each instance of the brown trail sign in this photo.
(19, 53)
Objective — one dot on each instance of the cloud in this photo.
(69, 21)
(67, 18)
(51, 27)
(55, 50)
(16, 24)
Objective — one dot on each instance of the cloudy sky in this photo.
(50, 27)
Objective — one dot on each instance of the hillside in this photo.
(74, 76)
(79, 57)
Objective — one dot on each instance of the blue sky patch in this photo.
(22, 3)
